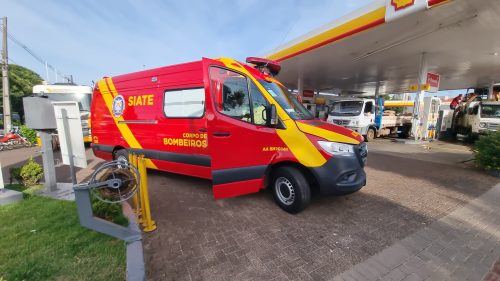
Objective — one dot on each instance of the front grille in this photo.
(341, 122)
(493, 126)
(363, 153)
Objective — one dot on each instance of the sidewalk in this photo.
(463, 245)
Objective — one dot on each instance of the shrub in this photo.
(15, 174)
(108, 211)
(487, 151)
(31, 173)
(28, 133)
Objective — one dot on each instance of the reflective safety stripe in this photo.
(108, 92)
(327, 134)
(300, 145)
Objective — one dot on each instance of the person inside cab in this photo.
(456, 101)
(496, 93)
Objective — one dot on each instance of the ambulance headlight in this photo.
(336, 148)
(482, 125)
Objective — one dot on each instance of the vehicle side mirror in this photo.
(271, 116)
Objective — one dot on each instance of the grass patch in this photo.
(109, 212)
(41, 239)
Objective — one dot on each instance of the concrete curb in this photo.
(8, 196)
(135, 252)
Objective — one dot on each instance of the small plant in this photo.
(28, 133)
(15, 174)
(31, 173)
(487, 151)
(109, 212)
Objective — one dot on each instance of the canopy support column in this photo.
(416, 126)
(300, 87)
(490, 91)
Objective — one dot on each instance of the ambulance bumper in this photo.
(340, 175)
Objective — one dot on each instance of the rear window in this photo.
(184, 103)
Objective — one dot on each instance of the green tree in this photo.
(21, 80)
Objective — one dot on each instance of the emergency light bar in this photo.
(273, 67)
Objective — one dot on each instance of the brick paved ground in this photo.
(494, 274)
(250, 238)
(460, 246)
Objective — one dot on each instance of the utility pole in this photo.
(5, 81)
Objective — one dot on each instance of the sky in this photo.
(91, 39)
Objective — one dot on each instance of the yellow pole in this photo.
(148, 224)
(135, 199)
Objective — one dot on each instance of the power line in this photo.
(12, 61)
(34, 55)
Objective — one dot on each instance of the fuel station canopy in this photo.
(383, 46)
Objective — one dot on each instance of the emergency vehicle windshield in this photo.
(289, 103)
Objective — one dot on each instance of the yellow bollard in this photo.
(148, 224)
(132, 158)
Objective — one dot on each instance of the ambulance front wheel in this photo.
(291, 190)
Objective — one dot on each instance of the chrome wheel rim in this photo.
(122, 158)
(285, 191)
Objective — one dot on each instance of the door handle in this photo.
(221, 134)
(202, 130)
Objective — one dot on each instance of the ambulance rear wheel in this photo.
(291, 190)
(121, 155)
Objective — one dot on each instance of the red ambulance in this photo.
(230, 122)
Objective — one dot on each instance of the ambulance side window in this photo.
(184, 103)
(259, 104)
(230, 90)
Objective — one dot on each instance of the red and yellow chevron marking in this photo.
(327, 134)
(298, 143)
(108, 92)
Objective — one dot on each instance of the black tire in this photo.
(405, 132)
(470, 136)
(291, 190)
(370, 135)
(121, 154)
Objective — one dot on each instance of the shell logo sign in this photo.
(401, 4)
(396, 9)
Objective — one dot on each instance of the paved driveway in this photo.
(250, 238)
